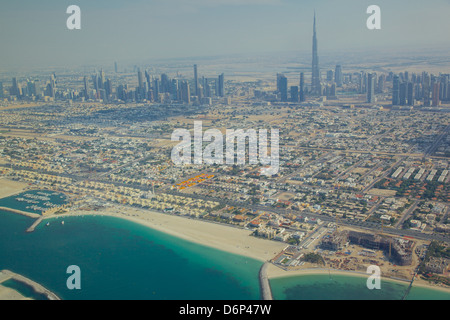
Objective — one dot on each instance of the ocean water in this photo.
(346, 287)
(122, 260)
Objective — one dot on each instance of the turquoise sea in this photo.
(346, 287)
(120, 259)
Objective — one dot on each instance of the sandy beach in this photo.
(225, 238)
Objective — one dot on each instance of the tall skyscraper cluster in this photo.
(431, 90)
(165, 89)
(99, 87)
(32, 89)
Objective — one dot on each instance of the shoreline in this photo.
(217, 236)
(32, 284)
(275, 272)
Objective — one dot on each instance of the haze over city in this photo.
(34, 33)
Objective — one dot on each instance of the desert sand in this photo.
(9, 188)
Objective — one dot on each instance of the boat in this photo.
(48, 223)
(62, 222)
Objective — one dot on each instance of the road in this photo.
(438, 140)
(366, 225)
(406, 215)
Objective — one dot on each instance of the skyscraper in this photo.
(196, 80)
(86, 88)
(410, 94)
(338, 76)
(302, 87)
(443, 87)
(315, 80)
(403, 93)
(283, 87)
(371, 88)
(140, 79)
(15, 89)
(185, 92)
(294, 94)
(435, 94)
(381, 81)
(220, 86)
(330, 74)
(396, 91)
(101, 79)
(52, 86)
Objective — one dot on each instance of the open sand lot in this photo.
(9, 188)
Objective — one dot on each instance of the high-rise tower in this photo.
(196, 81)
(371, 88)
(302, 87)
(140, 79)
(338, 76)
(315, 80)
(396, 91)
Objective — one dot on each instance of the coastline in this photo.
(221, 237)
(34, 285)
(218, 236)
(275, 272)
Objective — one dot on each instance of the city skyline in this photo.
(116, 32)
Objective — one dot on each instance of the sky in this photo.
(34, 33)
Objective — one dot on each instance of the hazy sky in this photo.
(35, 33)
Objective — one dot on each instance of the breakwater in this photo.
(34, 285)
(266, 291)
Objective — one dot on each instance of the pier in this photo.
(23, 213)
(266, 291)
(35, 224)
(35, 286)
(410, 285)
